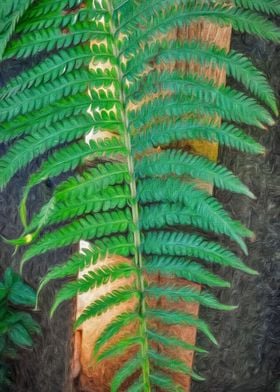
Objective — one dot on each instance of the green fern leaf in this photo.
(266, 6)
(183, 268)
(162, 215)
(70, 157)
(112, 198)
(165, 362)
(50, 39)
(235, 64)
(241, 20)
(26, 149)
(167, 340)
(55, 20)
(103, 304)
(92, 226)
(10, 13)
(45, 6)
(161, 190)
(180, 244)
(183, 164)
(117, 245)
(182, 105)
(113, 328)
(187, 294)
(92, 280)
(128, 369)
(231, 104)
(179, 318)
(121, 346)
(162, 380)
(32, 122)
(137, 386)
(165, 133)
(49, 70)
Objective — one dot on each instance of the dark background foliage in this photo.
(248, 357)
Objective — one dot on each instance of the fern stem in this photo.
(140, 282)
(137, 242)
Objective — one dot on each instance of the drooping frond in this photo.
(268, 6)
(163, 133)
(10, 13)
(106, 98)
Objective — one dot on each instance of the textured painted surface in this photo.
(248, 359)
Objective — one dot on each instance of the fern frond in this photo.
(103, 304)
(120, 347)
(92, 226)
(81, 187)
(127, 370)
(91, 280)
(50, 39)
(231, 104)
(187, 294)
(162, 380)
(165, 20)
(49, 70)
(26, 149)
(181, 267)
(32, 122)
(113, 198)
(165, 362)
(162, 215)
(164, 133)
(10, 13)
(183, 105)
(77, 262)
(265, 6)
(156, 190)
(68, 158)
(168, 340)
(137, 386)
(116, 245)
(180, 318)
(180, 163)
(45, 6)
(234, 63)
(121, 321)
(36, 98)
(55, 20)
(180, 244)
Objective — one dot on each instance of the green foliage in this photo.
(97, 102)
(16, 326)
